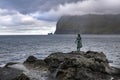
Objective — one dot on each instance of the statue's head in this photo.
(78, 35)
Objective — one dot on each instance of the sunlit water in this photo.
(18, 48)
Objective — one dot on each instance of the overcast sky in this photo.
(40, 16)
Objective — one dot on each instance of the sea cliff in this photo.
(89, 24)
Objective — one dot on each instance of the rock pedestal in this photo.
(79, 66)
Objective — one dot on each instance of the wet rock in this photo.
(32, 61)
(115, 72)
(22, 77)
(54, 60)
(100, 57)
(12, 74)
(79, 66)
(10, 63)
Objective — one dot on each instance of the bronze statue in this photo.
(79, 42)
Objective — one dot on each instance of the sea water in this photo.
(18, 48)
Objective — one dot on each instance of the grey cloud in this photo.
(28, 6)
(17, 23)
(81, 8)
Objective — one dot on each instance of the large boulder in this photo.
(33, 62)
(79, 66)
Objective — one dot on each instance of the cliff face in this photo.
(89, 24)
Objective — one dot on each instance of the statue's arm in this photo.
(76, 41)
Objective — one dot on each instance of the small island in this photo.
(50, 33)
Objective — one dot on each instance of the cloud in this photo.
(29, 6)
(17, 23)
(80, 8)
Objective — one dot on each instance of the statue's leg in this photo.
(78, 49)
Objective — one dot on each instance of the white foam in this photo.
(19, 66)
(116, 66)
(2, 65)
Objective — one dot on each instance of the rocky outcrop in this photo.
(74, 65)
(89, 24)
(79, 66)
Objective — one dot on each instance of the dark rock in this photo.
(54, 60)
(34, 62)
(100, 57)
(12, 74)
(22, 77)
(31, 59)
(115, 73)
(79, 66)
(10, 63)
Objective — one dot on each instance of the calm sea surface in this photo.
(18, 48)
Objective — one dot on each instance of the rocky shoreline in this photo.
(74, 65)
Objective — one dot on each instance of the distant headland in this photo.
(89, 24)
